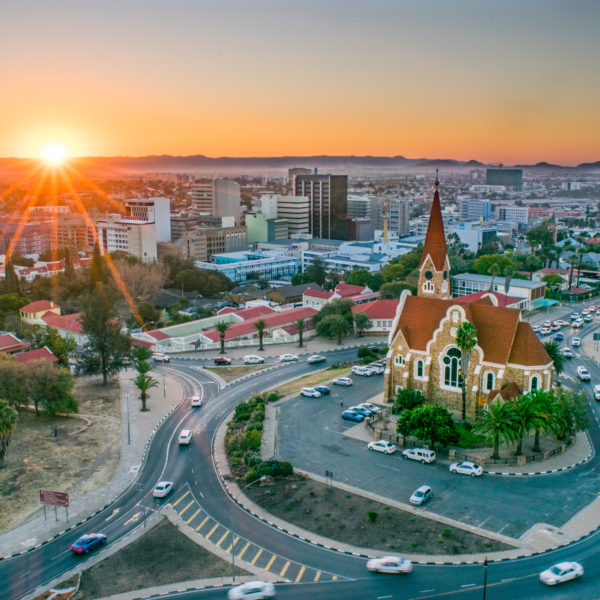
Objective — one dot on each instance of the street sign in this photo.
(53, 498)
(597, 337)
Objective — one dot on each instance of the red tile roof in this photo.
(363, 298)
(377, 309)
(157, 334)
(509, 391)
(254, 311)
(319, 294)
(39, 354)
(38, 306)
(503, 299)
(7, 340)
(435, 240)
(65, 322)
(527, 349)
(346, 289)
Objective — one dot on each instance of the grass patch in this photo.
(231, 373)
(294, 386)
(467, 439)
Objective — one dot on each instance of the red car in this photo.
(221, 360)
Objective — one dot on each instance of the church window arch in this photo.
(488, 381)
(451, 368)
(428, 287)
(534, 383)
(419, 368)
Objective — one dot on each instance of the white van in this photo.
(423, 455)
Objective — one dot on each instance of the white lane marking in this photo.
(466, 585)
(426, 591)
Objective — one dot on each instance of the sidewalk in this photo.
(141, 426)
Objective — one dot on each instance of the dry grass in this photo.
(231, 373)
(294, 386)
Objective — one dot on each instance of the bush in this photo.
(273, 397)
(275, 468)
(383, 350)
(252, 459)
(466, 438)
(243, 412)
(255, 426)
(252, 439)
(372, 516)
(363, 352)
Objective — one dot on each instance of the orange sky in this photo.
(507, 81)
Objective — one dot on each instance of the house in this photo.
(381, 313)
(11, 344)
(33, 312)
(291, 293)
(40, 354)
(68, 326)
(358, 294)
(318, 298)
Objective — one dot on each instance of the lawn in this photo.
(295, 385)
(231, 373)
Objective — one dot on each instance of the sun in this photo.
(54, 153)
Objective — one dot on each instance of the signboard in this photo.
(597, 337)
(53, 498)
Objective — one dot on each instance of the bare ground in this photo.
(311, 379)
(75, 461)
(231, 373)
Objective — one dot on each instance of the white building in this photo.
(267, 204)
(220, 197)
(136, 238)
(296, 210)
(151, 210)
(515, 214)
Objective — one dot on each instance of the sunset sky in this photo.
(505, 80)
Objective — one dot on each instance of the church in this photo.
(423, 354)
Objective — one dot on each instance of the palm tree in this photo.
(557, 358)
(494, 271)
(222, 327)
(8, 423)
(544, 402)
(496, 425)
(300, 326)
(508, 275)
(466, 340)
(526, 416)
(144, 383)
(260, 326)
(141, 354)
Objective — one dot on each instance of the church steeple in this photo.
(434, 268)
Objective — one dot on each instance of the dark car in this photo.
(352, 415)
(373, 347)
(323, 389)
(559, 337)
(361, 410)
(221, 360)
(87, 542)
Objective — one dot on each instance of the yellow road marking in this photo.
(318, 575)
(334, 578)
(200, 526)
(186, 507)
(271, 561)
(180, 499)
(244, 550)
(212, 531)
(192, 517)
(232, 545)
(285, 568)
(257, 555)
(222, 538)
(300, 573)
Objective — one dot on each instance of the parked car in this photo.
(389, 564)
(252, 590)
(597, 392)
(362, 371)
(322, 389)
(423, 455)
(362, 410)
(377, 368)
(466, 468)
(221, 360)
(87, 542)
(195, 401)
(310, 392)
(162, 489)
(536, 328)
(315, 358)
(382, 446)
(252, 359)
(346, 381)
(160, 357)
(288, 357)
(372, 407)
(352, 415)
(576, 342)
(567, 352)
(185, 437)
(583, 374)
(421, 495)
(561, 572)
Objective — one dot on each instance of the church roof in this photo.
(527, 349)
(435, 240)
(512, 390)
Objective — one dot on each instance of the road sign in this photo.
(597, 337)
(53, 498)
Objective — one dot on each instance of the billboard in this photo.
(53, 498)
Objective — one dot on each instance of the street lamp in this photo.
(484, 576)
(128, 426)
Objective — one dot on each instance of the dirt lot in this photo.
(364, 523)
(162, 556)
(231, 373)
(71, 462)
(309, 380)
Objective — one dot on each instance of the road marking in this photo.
(192, 517)
(300, 573)
(466, 585)
(271, 561)
(134, 518)
(199, 526)
(256, 557)
(244, 550)
(186, 507)
(222, 538)
(426, 591)
(232, 545)
(317, 576)
(180, 499)
(114, 513)
(212, 531)
(285, 568)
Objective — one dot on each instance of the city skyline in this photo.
(514, 83)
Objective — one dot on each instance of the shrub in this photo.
(252, 439)
(243, 412)
(383, 350)
(276, 468)
(252, 459)
(255, 426)
(372, 516)
(273, 397)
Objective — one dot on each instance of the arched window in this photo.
(398, 359)
(534, 383)
(419, 368)
(428, 287)
(488, 381)
(452, 368)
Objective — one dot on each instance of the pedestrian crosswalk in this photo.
(190, 510)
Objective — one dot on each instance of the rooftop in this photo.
(475, 278)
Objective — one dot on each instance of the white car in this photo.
(583, 374)
(376, 368)
(561, 572)
(370, 406)
(185, 437)
(315, 358)
(545, 330)
(597, 392)
(288, 357)
(252, 590)
(536, 328)
(576, 342)
(382, 446)
(195, 401)
(567, 353)
(423, 455)
(161, 358)
(466, 468)
(362, 371)
(342, 381)
(310, 392)
(389, 564)
(421, 495)
(162, 489)
(547, 324)
(252, 359)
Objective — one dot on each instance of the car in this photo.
(315, 358)
(576, 342)
(377, 368)
(346, 381)
(583, 374)
(373, 347)
(585, 312)
(322, 389)
(367, 412)
(574, 315)
(160, 357)
(288, 357)
(185, 437)
(587, 318)
(372, 407)
(423, 455)
(567, 352)
(561, 572)
(382, 446)
(421, 495)
(592, 308)
(195, 401)
(87, 542)
(389, 564)
(310, 392)
(466, 468)
(252, 590)
(576, 324)
(536, 328)
(252, 359)
(559, 337)
(547, 324)
(597, 392)
(545, 330)
(352, 415)
(362, 371)
(554, 327)
(162, 489)
(221, 360)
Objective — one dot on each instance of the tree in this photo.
(13, 382)
(570, 413)
(544, 402)
(553, 280)
(526, 417)
(50, 388)
(555, 354)
(361, 323)
(222, 327)
(341, 307)
(8, 423)
(260, 326)
(428, 422)
(98, 272)
(334, 326)
(144, 383)
(509, 272)
(42, 335)
(11, 281)
(300, 326)
(482, 264)
(494, 271)
(10, 304)
(541, 236)
(148, 313)
(141, 355)
(407, 399)
(466, 340)
(143, 282)
(496, 425)
(393, 289)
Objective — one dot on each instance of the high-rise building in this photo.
(359, 207)
(512, 179)
(398, 212)
(137, 238)
(516, 214)
(296, 210)
(220, 197)
(268, 205)
(292, 174)
(151, 210)
(472, 210)
(328, 197)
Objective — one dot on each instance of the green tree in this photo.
(260, 327)
(466, 340)
(8, 423)
(148, 313)
(10, 305)
(50, 388)
(364, 278)
(11, 281)
(42, 335)
(144, 383)
(509, 273)
(98, 271)
(553, 280)
(300, 326)
(393, 289)
(526, 417)
(496, 425)
(570, 413)
(428, 422)
(361, 323)
(141, 355)
(544, 402)
(13, 382)
(555, 354)
(541, 236)
(341, 307)
(222, 327)
(334, 326)
(407, 399)
(483, 264)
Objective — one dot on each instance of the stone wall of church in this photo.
(436, 287)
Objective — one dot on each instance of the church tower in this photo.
(434, 268)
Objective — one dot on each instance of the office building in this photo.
(219, 197)
(179, 225)
(359, 207)
(270, 265)
(398, 213)
(515, 214)
(296, 210)
(33, 238)
(136, 238)
(512, 179)
(151, 210)
(473, 210)
(292, 174)
(267, 204)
